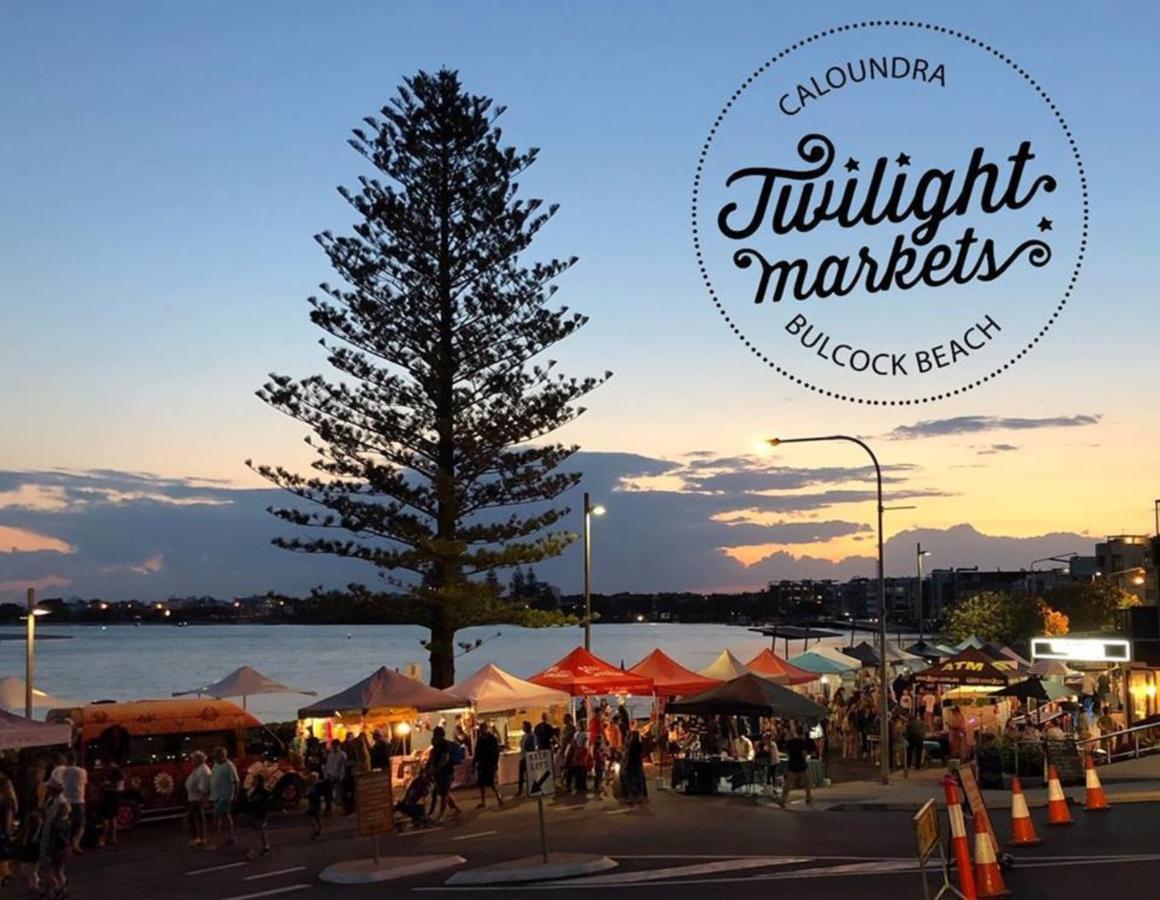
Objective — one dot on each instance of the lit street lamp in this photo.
(919, 554)
(883, 684)
(30, 650)
(589, 512)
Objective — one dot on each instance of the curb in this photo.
(390, 868)
(533, 868)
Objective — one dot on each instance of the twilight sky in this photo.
(163, 170)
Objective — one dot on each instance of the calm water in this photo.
(123, 662)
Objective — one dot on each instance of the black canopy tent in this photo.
(971, 667)
(749, 695)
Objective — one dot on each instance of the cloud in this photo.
(150, 566)
(19, 540)
(975, 424)
(996, 448)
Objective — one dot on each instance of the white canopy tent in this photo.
(490, 690)
(725, 667)
(12, 696)
(17, 733)
(242, 682)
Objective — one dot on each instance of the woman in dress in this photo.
(633, 787)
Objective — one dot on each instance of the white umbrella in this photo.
(12, 696)
(242, 682)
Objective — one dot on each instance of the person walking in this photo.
(55, 840)
(579, 761)
(333, 774)
(545, 733)
(486, 760)
(314, 792)
(112, 791)
(527, 745)
(915, 741)
(196, 795)
(223, 790)
(633, 786)
(8, 816)
(380, 755)
(599, 763)
(564, 751)
(258, 809)
(442, 765)
(73, 780)
(797, 750)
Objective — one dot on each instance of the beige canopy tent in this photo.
(381, 690)
(242, 682)
(16, 733)
(12, 696)
(725, 667)
(492, 690)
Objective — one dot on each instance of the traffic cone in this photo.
(1057, 811)
(988, 878)
(1022, 829)
(1095, 800)
(959, 843)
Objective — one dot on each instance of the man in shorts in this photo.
(797, 750)
(223, 789)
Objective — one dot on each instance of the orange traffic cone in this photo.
(988, 878)
(1057, 811)
(1022, 829)
(959, 843)
(1095, 800)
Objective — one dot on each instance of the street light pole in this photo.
(920, 553)
(589, 512)
(883, 683)
(30, 653)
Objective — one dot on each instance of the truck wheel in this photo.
(128, 814)
(288, 792)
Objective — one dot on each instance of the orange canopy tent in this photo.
(770, 665)
(583, 675)
(670, 678)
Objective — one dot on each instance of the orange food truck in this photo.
(151, 741)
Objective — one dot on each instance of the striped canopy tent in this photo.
(769, 665)
(725, 667)
(580, 674)
(823, 664)
(670, 678)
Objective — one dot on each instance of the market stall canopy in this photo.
(724, 668)
(492, 690)
(670, 678)
(868, 655)
(971, 666)
(1035, 689)
(12, 696)
(1051, 668)
(385, 688)
(242, 682)
(973, 641)
(1015, 657)
(821, 664)
(581, 674)
(747, 695)
(928, 651)
(16, 733)
(770, 665)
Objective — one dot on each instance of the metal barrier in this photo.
(1121, 745)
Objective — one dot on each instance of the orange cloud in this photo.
(19, 540)
(41, 584)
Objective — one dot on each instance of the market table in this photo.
(703, 776)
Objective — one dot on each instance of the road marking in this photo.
(724, 865)
(478, 834)
(420, 831)
(618, 812)
(207, 869)
(272, 892)
(274, 873)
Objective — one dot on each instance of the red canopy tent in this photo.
(670, 678)
(582, 675)
(770, 665)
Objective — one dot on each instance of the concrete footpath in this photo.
(1133, 781)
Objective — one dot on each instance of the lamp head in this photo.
(597, 510)
(773, 442)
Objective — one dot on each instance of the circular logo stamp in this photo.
(890, 212)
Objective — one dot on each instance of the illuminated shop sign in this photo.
(1082, 649)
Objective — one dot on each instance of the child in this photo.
(258, 805)
(314, 791)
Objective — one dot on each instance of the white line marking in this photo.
(723, 865)
(274, 873)
(618, 812)
(271, 893)
(478, 834)
(232, 865)
(420, 831)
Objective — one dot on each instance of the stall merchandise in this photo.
(670, 678)
(769, 665)
(491, 690)
(725, 667)
(580, 674)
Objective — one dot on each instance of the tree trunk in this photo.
(442, 656)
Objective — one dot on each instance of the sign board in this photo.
(374, 803)
(975, 800)
(541, 782)
(1064, 755)
(1109, 650)
(926, 829)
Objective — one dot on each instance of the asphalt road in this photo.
(678, 847)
